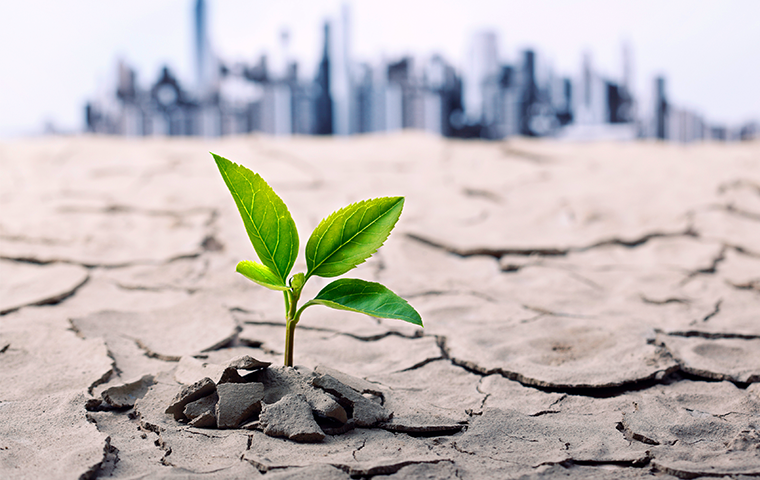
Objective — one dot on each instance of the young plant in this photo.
(340, 242)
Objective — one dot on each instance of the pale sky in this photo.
(55, 55)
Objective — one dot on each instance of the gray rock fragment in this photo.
(230, 375)
(188, 394)
(246, 362)
(366, 413)
(291, 417)
(204, 420)
(94, 404)
(124, 396)
(199, 407)
(237, 402)
(281, 381)
(359, 384)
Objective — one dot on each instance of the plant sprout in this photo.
(343, 240)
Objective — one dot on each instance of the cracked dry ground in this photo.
(591, 311)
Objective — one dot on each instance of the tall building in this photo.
(433, 95)
(324, 107)
(591, 102)
(340, 75)
(363, 99)
(394, 95)
(661, 109)
(378, 98)
(482, 68)
(204, 61)
(565, 105)
(529, 95)
(510, 102)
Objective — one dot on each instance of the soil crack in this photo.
(710, 269)
(708, 335)
(151, 354)
(50, 301)
(159, 289)
(547, 251)
(106, 465)
(635, 463)
(421, 364)
(742, 213)
(364, 444)
(664, 301)
(750, 285)
(631, 435)
(714, 312)
(474, 293)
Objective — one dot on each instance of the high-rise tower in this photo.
(529, 95)
(204, 69)
(341, 86)
(482, 68)
(661, 109)
(323, 107)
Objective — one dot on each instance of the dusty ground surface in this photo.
(591, 311)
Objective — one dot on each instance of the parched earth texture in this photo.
(591, 310)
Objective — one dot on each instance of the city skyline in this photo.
(486, 99)
(268, 22)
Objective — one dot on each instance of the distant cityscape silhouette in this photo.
(487, 99)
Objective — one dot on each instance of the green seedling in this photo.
(343, 240)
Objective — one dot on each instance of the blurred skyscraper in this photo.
(661, 108)
(480, 73)
(204, 60)
(323, 101)
(341, 85)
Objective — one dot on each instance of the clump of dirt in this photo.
(290, 402)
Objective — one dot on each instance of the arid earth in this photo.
(591, 311)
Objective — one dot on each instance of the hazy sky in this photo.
(55, 55)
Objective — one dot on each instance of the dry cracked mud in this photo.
(591, 311)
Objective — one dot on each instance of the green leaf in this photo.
(260, 274)
(349, 236)
(365, 297)
(267, 220)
